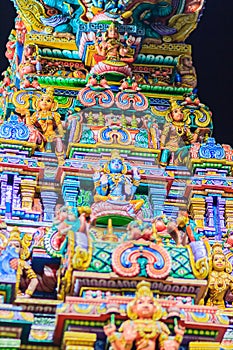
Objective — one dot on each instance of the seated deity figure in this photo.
(112, 53)
(176, 136)
(112, 184)
(143, 330)
(220, 280)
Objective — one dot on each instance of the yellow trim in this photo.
(204, 345)
(51, 42)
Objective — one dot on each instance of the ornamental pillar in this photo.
(71, 190)
(49, 200)
(229, 214)
(157, 196)
(197, 210)
(28, 188)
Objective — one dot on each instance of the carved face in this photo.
(219, 262)
(177, 115)
(145, 307)
(112, 33)
(187, 61)
(29, 50)
(116, 165)
(45, 103)
(16, 245)
(63, 214)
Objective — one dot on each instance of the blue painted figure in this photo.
(114, 185)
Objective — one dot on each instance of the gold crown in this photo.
(143, 290)
(49, 92)
(174, 105)
(115, 154)
(14, 235)
(112, 26)
(217, 249)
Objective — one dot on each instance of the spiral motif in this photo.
(125, 260)
(90, 97)
(87, 97)
(211, 150)
(106, 99)
(14, 130)
(202, 118)
(139, 102)
(106, 136)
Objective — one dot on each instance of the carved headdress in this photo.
(48, 93)
(115, 154)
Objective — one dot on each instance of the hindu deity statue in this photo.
(220, 279)
(48, 122)
(112, 54)
(30, 64)
(24, 270)
(176, 136)
(143, 330)
(67, 220)
(186, 72)
(112, 184)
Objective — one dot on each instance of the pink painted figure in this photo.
(30, 65)
(144, 329)
(10, 46)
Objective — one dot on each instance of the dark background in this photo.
(212, 57)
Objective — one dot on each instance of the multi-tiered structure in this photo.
(116, 203)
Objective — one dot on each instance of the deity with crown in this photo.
(22, 266)
(114, 186)
(113, 55)
(143, 329)
(176, 135)
(46, 122)
(220, 279)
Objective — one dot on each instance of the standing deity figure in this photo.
(48, 122)
(114, 185)
(24, 270)
(176, 136)
(144, 330)
(220, 279)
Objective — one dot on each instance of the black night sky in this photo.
(212, 56)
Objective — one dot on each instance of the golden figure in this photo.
(143, 329)
(48, 121)
(23, 268)
(220, 279)
(176, 135)
(186, 71)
